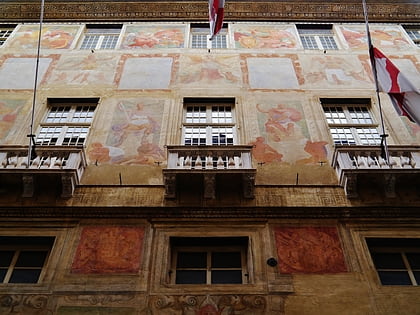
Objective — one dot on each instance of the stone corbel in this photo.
(28, 186)
(248, 185)
(350, 186)
(389, 180)
(68, 185)
(170, 185)
(210, 186)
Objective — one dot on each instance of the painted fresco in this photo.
(9, 110)
(134, 134)
(284, 136)
(271, 73)
(108, 249)
(209, 69)
(388, 37)
(16, 73)
(145, 73)
(334, 71)
(53, 36)
(309, 250)
(93, 310)
(153, 37)
(273, 36)
(92, 69)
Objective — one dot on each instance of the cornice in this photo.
(401, 11)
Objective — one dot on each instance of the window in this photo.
(209, 260)
(317, 36)
(350, 122)
(67, 122)
(5, 31)
(101, 36)
(414, 33)
(397, 260)
(209, 122)
(23, 259)
(200, 38)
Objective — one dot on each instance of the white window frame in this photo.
(5, 32)
(351, 127)
(205, 129)
(103, 33)
(402, 251)
(65, 120)
(209, 250)
(200, 35)
(17, 250)
(414, 33)
(316, 33)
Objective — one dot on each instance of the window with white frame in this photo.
(200, 37)
(209, 260)
(101, 36)
(23, 259)
(350, 122)
(5, 31)
(209, 122)
(414, 33)
(67, 122)
(396, 260)
(317, 36)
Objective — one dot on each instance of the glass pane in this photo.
(394, 278)
(360, 115)
(31, 259)
(328, 42)
(190, 277)
(25, 276)
(90, 42)
(109, 41)
(226, 276)
(309, 42)
(226, 260)
(83, 114)
(417, 276)
(6, 258)
(388, 261)
(2, 274)
(191, 260)
(414, 260)
(58, 114)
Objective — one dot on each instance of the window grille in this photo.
(5, 32)
(414, 33)
(103, 37)
(313, 37)
(200, 38)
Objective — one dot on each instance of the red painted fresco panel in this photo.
(309, 250)
(109, 250)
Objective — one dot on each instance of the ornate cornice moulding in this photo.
(122, 10)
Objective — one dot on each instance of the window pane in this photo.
(388, 261)
(90, 42)
(190, 277)
(75, 135)
(342, 136)
(309, 42)
(109, 41)
(226, 260)
(31, 259)
(335, 115)
(2, 274)
(226, 276)
(328, 42)
(25, 276)
(48, 135)
(83, 114)
(191, 260)
(394, 278)
(58, 114)
(417, 276)
(413, 260)
(369, 136)
(6, 258)
(199, 41)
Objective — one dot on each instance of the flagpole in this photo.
(31, 149)
(384, 146)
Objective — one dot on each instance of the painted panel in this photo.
(202, 70)
(272, 73)
(309, 250)
(19, 73)
(92, 310)
(334, 71)
(52, 36)
(388, 37)
(254, 36)
(146, 73)
(153, 37)
(108, 249)
(134, 134)
(91, 69)
(9, 110)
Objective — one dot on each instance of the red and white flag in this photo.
(404, 95)
(216, 10)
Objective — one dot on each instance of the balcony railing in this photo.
(352, 161)
(66, 162)
(209, 161)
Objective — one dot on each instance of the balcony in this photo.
(48, 167)
(356, 163)
(210, 162)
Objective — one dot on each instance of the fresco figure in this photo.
(264, 38)
(146, 37)
(264, 153)
(8, 113)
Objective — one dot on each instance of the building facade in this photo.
(153, 171)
